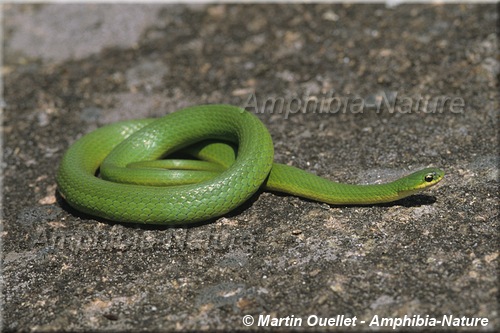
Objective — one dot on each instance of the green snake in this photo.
(220, 156)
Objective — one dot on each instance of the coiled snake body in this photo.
(236, 153)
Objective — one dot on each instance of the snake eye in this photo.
(429, 177)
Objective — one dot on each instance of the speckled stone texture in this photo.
(353, 93)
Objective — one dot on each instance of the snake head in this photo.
(419, 181)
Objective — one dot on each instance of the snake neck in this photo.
(291, 180)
